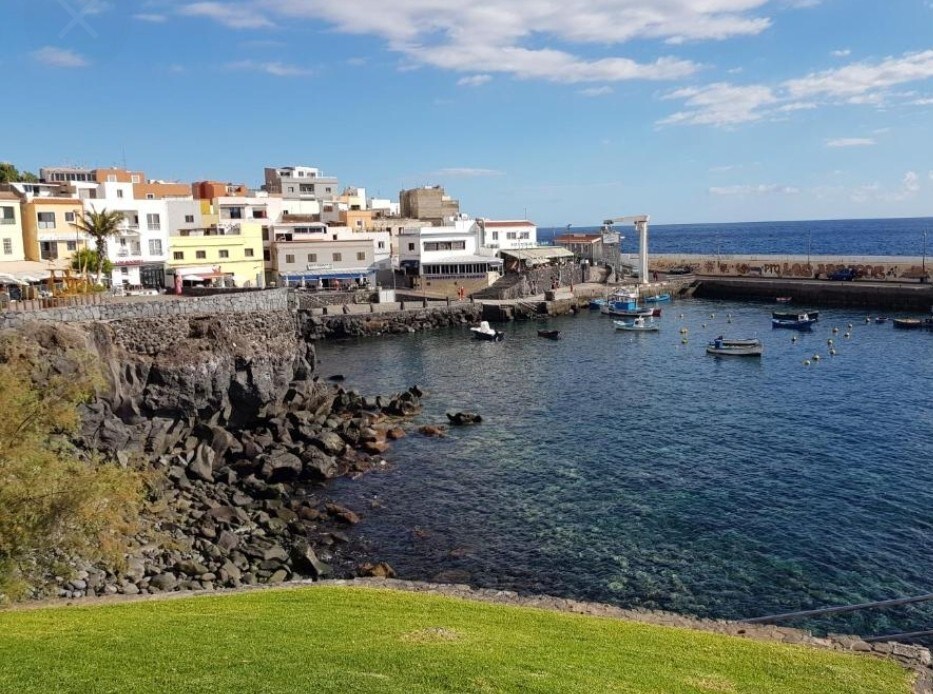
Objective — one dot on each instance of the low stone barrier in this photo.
(314, 327)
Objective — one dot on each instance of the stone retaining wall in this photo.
(252, 302)
(313, 328)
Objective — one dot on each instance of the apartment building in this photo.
(221, 254)
(49, 231)
(429, 204)
(11, 229)
(507, 234)
(316, 254)
(445, 251)
(300, 183)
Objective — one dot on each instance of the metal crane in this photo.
(641, 226)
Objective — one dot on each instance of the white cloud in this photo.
(851, 142)
(724, 168)
(861, 83)
(59, 57)
(760, 189)
(842, 53)
(465, 172)
(151, 18)
(910, 186)
(473, 80)
(271, 68)
(721, 104)
(517, 36)
(596, 91)
(925, 101)
(235, 16)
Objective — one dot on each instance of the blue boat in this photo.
(657, 299)
(624, 304)
(802, 322)
(597, 304)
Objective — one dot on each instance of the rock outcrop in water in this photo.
(229, 413)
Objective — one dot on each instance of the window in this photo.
(135, 178)
(124, 271)
(200, 255)
(69, 216)
(178, 255)
(511, 236)
(7, 246)
(525, 235)
(360, 255)
(495, 236)
(267, 256)
(327, 190)
(150, 196)
(111, 178)
(338, 257)
(154, 222)
(155, 246)
(411, 246)
(382, 245)
(312, 257)
(48, 250)
(289, 258)
(189, 219)
(119, 193)
(248, 252)
(235, 213)
(46, 220)
(291, 189)
(265, 233)
(224, 253)
(7, 215)
(71, 245)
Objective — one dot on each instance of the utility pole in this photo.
(809, 269)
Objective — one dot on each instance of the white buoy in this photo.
(849, 326)
(806, 362)
(832, 353)
(835, 330)
(683, 341)
(829, 341)
(704, 325)
(847, 336)
(793, 339)
(816, 357)
(681, 316)
(712, 315)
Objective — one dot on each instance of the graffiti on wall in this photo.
(815, 270)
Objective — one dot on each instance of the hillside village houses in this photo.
(299, 229)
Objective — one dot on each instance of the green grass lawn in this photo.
(336, 639)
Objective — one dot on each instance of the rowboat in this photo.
(549, 334)
(484, 332)
(784, 299)
(908, 323)
(802, 323)
(657, 299)
(795, 315)
(723, 347)
(637, 325)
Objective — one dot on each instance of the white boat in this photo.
(750, 347)
(638, 325)
(485, 332)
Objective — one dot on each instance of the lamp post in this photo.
(809, 269)
(923, 264)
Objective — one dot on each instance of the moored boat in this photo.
(794, 315)
(657, 299)
(803, 322)
(638, 325)
(907, 323)
(725, 347)
(624, 304)
(784, 299)
(485, 332)
(881, 319)
(596, 304)
(549, 334)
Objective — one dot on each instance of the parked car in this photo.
(846, 274)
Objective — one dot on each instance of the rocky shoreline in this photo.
(240, 438)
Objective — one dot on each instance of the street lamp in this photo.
(809, 269)
(924, 261)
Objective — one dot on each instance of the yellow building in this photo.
(11, 229)
(217, 254)
(49, 233)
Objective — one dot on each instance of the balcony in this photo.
(232, 230)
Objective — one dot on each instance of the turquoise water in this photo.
(637, 470)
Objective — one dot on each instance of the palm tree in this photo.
(101, 226)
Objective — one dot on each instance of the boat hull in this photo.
(549, 334)
(635, 328)
(908, 323)
(737, 352)
(795, 315)
(793, 324)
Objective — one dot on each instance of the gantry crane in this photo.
(641, 226)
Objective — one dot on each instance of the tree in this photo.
(10, 174)
(56, 505)
(85, 261)
(100, 226)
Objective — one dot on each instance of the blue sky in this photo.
(567, 111)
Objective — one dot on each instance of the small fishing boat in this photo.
(801, 323)
(638, 325)
(723, 347)
(596, 304)
(907, 323)
(549, 334)
(784, 299)
(624, 304)
(484, 332)
(881, 319)
(657, 299)
(795, 315)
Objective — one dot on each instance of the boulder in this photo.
(164, 582)
(462, 418)
(436, 431)
(307, 563)
(280, 466)
(318, 464)
(342, 513)
(380, 570)
(202, 464)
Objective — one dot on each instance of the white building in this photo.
(385, 207)
(140, 250)
(505, 235)
(450, 251)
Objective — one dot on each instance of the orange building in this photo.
(210, 190)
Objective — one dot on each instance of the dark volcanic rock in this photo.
(461, 418)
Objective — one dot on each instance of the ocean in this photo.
(844, 237)
(637, 470)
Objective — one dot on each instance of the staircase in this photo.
(499, 288)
